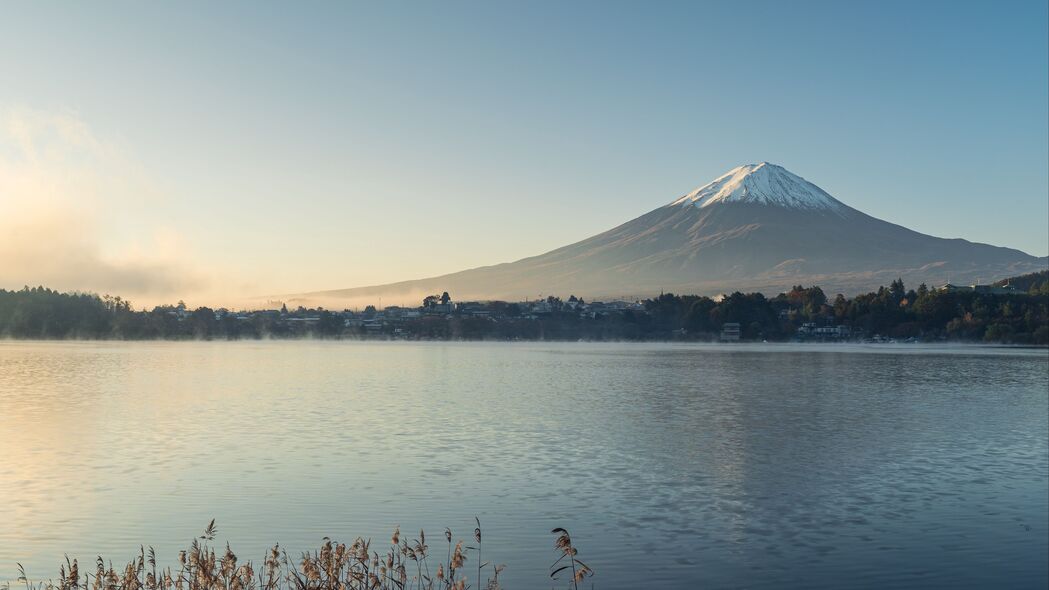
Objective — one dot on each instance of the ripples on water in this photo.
(673, 466)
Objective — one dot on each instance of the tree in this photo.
(697, 319)
(810, 301)
(841, 306)
(329, 324)
(203, 323)
(897, 291)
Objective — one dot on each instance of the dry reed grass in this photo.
(580, 570)
(405, 565)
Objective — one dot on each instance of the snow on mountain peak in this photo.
(766, 184)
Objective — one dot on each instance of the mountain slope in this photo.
(757, 227)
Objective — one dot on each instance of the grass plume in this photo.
(580, 570)
(405, 565)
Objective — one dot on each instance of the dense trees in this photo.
(893, 312)
(1035, 283)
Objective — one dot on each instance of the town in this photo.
(1011, 311)
(802, 314)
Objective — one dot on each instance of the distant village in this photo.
(398, 322)
(395, 321)
(1014, 311)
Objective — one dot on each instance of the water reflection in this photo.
(673, 465)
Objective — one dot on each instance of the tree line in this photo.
(892, 312)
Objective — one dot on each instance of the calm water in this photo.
(673, 466)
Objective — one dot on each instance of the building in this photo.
(730, 332)
(811, 330)
(394, 312)
(439, 309)
(985, 289)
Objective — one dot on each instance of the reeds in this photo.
(405, 565)
(580, 570)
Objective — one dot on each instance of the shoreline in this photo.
(749, 344)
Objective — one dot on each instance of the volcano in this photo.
(757, 227)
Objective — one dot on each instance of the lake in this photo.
(673, 466)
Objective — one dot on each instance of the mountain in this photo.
(758, 227)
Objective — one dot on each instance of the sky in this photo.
(216, 151)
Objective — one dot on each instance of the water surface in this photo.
(674, 466)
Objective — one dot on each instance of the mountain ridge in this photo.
(758, 227)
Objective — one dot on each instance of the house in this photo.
(439, 309)
(730, 332)
(620, 305)
(473, 308)
(394, 312)
(984, 289)
(832, 332)
(811, 329)
(807, 328)
(541, 307)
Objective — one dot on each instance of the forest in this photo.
(892, 312)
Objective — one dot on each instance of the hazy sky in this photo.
(213, 150)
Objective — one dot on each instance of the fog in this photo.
(59, 186)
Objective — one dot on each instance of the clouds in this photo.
(77, 213)
(59, 249)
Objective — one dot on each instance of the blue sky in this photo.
(289, 147)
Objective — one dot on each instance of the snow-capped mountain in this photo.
(758, 227)
(765, 184)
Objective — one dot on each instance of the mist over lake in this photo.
(837, 466)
